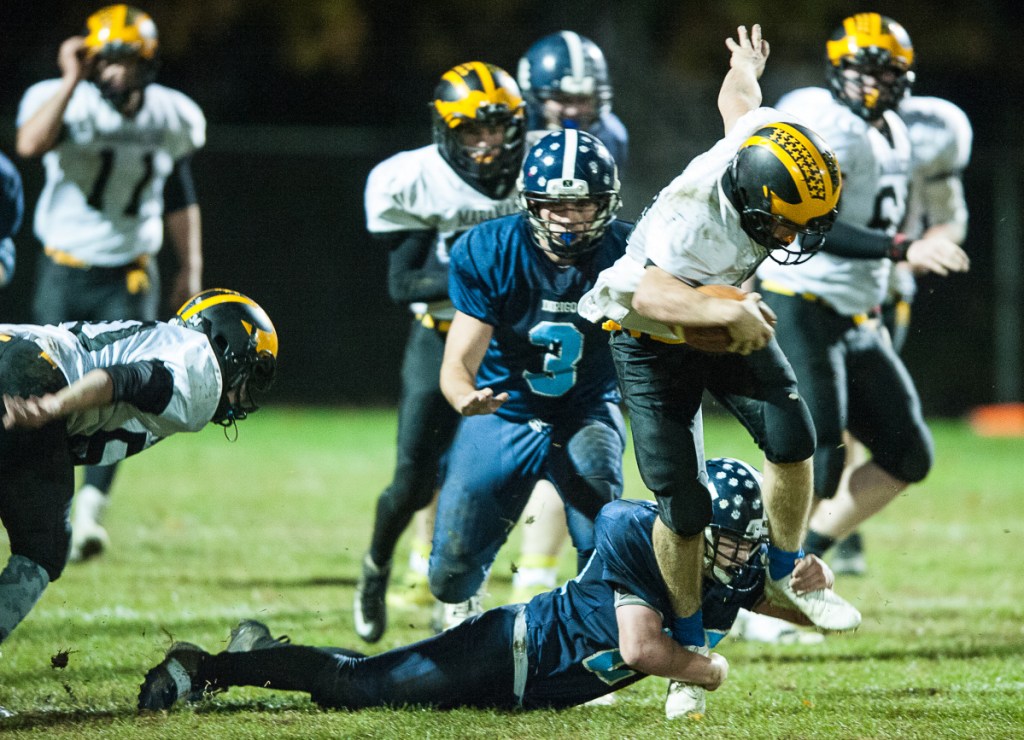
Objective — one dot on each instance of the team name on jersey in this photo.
(144, 136)
(463, 219)
(558, 306)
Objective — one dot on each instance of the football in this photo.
(716, 339)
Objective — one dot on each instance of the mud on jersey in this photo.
(110, 433)
(103, 197)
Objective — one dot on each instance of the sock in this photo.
(816, 543)
(781, 562)
(22, 582)
(689, 631)
(536, 570)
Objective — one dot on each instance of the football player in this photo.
(600, 632)
(417, 203)
(117, 149)
(564, 79)
(940, 149)
(769, 189)
(848, 372)
(12, 209)
(533, 380)
(85, 393)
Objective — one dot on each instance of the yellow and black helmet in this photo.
(785, 175)
(244, 341)
(477, 93)
(869, 45)
(118, 34)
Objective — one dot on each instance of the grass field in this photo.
(206, 532)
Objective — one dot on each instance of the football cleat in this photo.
(88, 536)
(174, 678)
(826, 609)
(685, 700)
(848, 557)
(251, 635)
(369, 607)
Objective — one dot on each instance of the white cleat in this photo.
(826, 609)
(754, 627)
(685, 701)
(456, 614)
(88, 537)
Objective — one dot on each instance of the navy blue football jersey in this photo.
(553, 363)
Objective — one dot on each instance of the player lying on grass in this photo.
(600, 632)
(93, 393)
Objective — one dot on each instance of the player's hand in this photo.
(749, 51)
(811, 574)
(937, 254)
(73, 59)
(749, 329)
(30, 413)
(718, 673)
(480, 402)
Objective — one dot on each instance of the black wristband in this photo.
(898, 250)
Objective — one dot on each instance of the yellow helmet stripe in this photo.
(213, 301)
(865, 30)
(808, 169)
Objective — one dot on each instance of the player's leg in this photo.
(587, 470)
(885, 413)
(544, 532)
(662, 387)
(426, 424)
(472, 665)
(37, 485)
(760, 390)
(493, 465)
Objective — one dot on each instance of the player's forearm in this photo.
(664, 298)
(739, 95)
(457, 381)
(41, 132)
(660, 655)
(92, 390)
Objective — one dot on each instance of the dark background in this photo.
(303, 98)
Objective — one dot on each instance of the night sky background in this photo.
(302, 98)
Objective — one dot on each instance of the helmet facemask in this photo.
(567, 238)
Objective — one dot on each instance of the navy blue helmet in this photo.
(561, 64)
(739, 528)
(569, 167)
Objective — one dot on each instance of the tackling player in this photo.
(94, 393)
(599, 633)
(533, 379)
(769, 189)
(417, 203)
(117, 150)
(848, 371)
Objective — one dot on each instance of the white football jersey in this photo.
(120, 429)
(417, 190)
(103, 198)
(876, 173)
(941, 139)
(690, 230)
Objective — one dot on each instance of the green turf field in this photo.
(206, 532)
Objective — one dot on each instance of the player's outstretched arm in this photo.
(464, 350)
(810, 574)
(645, 647)
(740, 91)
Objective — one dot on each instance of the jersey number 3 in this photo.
(564, 344)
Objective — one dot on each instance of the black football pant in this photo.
(426, 427)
